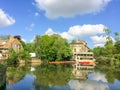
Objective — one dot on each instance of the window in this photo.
(74, 50)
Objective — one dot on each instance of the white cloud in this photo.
(70, 8)
(83, 31)
(5, 19)
(98, 40)
(86, 30)
(50, 32)
(67, 36)
(80, 31)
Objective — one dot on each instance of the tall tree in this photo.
(52, 47)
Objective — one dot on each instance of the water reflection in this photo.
(86, 79)
(2, 77)
(49, 76)
(87, 85)
(80, 72)
(15, 74)
(59, 77)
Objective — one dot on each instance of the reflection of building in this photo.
(5, 45)
(82, 72)
(81, 54)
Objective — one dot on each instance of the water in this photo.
(59, 77)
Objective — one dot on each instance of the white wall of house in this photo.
(33, 55)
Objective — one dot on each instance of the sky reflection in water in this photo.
(94, 81)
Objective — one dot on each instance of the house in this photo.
(81, 53)
(13, 42)
(79, 46)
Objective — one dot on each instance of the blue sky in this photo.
(72, 19)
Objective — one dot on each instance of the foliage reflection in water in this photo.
(59, 77)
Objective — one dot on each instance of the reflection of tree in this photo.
(15, 74)
(2, 77)
(3, 87)
(52, 75)
(111, 72)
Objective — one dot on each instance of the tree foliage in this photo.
(52, 47)
(110, 51)
(21, 55)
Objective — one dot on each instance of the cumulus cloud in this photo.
(67, 36)
(86, 30)
(98, 40)
(80, 31)
(70, 8)
(5, 19)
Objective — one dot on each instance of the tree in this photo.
(23, 55)
(97, 51)
(107, 34)
(52, 47)
(117, 43)
(109, 48)
(117, 47)
(13, 56)
(117, 38)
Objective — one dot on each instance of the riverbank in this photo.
(31, 61)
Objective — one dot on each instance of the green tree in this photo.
(109, 48)
(97, 51)
(13, 56)
(29, 47)
(117, 38)
(110, 53)
(117, 43)
(52, 47)
(23, 55)
(107, 34)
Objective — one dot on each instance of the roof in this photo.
(79, 42)
(7, 43)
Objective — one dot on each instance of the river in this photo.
(60, 77)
